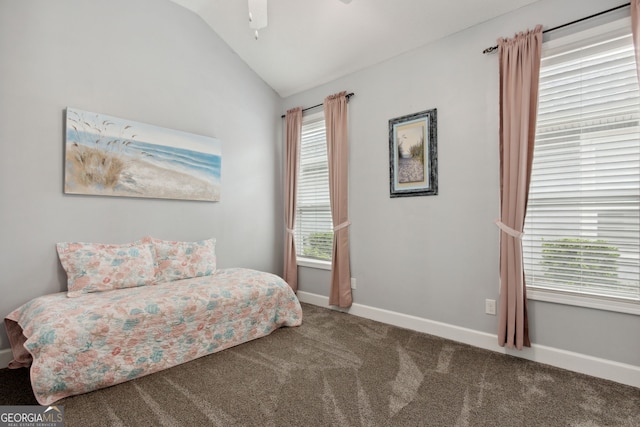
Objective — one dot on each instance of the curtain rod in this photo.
(493, 48)
(349, 95)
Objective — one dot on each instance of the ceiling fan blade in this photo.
(257, 14)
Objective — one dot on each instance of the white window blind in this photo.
(582, 229)
(314, 226)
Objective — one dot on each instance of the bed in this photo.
(99, 339)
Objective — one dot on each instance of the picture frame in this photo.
(110, 156)
(413, 155)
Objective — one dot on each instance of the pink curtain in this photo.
(635, 29)
(335, 115)
(293, 124)
(519, 72)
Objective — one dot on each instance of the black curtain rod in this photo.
(349, 95)
(493, 48)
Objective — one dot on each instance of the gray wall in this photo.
(437, 257)
(150, 61)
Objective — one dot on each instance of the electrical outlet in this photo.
(353, 283)
(490, 306)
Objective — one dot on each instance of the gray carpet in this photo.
(341, 370)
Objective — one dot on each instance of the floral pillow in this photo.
(183, 260)
(96, 267)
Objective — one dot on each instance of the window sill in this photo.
(600, 303)
(314, 263)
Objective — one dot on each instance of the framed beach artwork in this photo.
(108, 156)
(413, 156)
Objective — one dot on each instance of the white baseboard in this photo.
(5, 357)
(576, 362)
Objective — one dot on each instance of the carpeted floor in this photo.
(341, 370)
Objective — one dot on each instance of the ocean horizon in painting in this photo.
(106, 155)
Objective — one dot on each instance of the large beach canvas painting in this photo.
(108, 156)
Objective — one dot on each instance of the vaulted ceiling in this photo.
(310, 42)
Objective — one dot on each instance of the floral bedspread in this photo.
(76, 345)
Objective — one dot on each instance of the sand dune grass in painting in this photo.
(93, 167)
(107, 156)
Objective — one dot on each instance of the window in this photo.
(582, 229)
(314, 226)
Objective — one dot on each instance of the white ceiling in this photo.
(311, 42)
